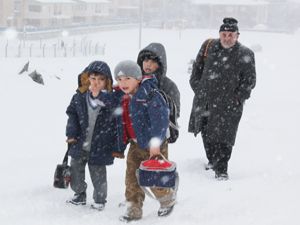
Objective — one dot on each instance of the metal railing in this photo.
(48, 49)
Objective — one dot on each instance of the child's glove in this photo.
(119, 155)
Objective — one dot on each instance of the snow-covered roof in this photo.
(128, 7)
(62, 16)
(230, 2)
(94, 1)
(54, 1)
(72, 1)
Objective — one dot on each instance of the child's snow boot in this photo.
(78, 199)
(166, 208)
(133, 213)
(98, 206)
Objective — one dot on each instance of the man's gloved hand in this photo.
(71, 141)
(119, 155)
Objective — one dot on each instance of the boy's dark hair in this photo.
(150, 55)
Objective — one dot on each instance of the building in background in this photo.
(6, 13)
(265, 15)
(209, 13)
(19, 10)
(125, 10)
(87, 12)
(43, 14)
(166, 13)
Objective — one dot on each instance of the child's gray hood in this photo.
(159, 50)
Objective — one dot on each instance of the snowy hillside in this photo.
(264, 170)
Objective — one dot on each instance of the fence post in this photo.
(74, 46)
(54, 48)
(90, 47)
(96, 48)
(85, 50)
(30, 50)
(6, 47)
(19, 50)
(82, 44)
(44, 46)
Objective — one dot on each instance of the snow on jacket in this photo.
(103, 140)
(149, 115)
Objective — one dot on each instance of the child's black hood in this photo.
(158, 50)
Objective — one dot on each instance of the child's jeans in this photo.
(98, 177)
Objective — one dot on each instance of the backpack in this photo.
(173, 131)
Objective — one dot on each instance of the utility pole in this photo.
(141, 7)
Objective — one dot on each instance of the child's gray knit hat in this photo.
(128, 68)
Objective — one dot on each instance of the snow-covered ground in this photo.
(264, 169)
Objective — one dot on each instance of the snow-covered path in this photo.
(263, 188)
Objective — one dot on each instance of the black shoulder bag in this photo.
(62, 175)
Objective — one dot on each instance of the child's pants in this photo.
(134, 194)
(98, 177)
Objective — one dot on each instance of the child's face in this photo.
(150, 66)
(128, 85)
(98, 82)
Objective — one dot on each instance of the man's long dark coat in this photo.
(222, 82)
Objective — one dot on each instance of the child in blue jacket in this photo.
(91, 133)
(143, 119)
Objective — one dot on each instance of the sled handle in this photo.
(162, 156)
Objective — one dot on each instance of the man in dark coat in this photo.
(157, 52)
(222, 78)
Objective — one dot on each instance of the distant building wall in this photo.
(261, 14)
(6, 13)
(44, 14)
(210, 15)
(90, 11)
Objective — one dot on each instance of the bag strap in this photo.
(161, 155)
(209, 41)
(65, 160)
(153, 91)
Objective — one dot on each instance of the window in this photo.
(35, 8)
(98, 9)
(57, 10)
